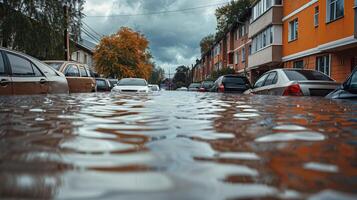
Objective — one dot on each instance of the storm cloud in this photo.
(174, 36)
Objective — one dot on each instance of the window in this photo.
(293, 30)
(260, 81)
(22, 67)
(262, 40)
(85, 59)
(262, 6)
(335, 9)
(72, 71)
(299, 64)
(316, 16)
(77, 56)
(83, 72)
(243, 54)
(2, 65)
(271, 79)
(323, 64)
(236, 59)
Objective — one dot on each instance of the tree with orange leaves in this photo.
(124, 54)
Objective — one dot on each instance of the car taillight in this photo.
(201, 89)
(221, 88)
(293, 90)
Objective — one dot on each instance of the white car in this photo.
(154, 88)
(132, 85)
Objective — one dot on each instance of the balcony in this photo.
(269, 56)
(272, 16)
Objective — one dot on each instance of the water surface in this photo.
(177, 145)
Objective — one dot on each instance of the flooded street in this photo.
(177, 145)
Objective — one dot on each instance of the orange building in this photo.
(320, 35)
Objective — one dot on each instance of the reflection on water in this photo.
(177, 146)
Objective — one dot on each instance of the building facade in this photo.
(308, 34)
(320, 35)
(84, 53)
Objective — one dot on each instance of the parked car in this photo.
(194, 87)
(113, 82)
(21, 74)
(348, 90)
(294, 82)
(154, 88)
(231, 84)
(103, 85)
(132, 85)
(206, 86)
(78, 76)
(182, 89)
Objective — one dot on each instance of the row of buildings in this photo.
(308, 34)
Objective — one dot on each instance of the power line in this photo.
(86, 32)
(160, 12)
(90, 28)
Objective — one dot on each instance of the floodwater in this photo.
(177, 145)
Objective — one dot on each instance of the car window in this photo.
(100, 83)
(132, 82)
(83, 72)
(2, 64)
(302, 75)
(260, 81)
(21, 66)
(271, 79)
(36, 70)
(72, 71)
(353, 82)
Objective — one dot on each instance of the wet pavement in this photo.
(177, 145)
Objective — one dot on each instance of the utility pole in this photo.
(66, 34)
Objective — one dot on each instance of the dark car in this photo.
(206, 86)
(348, 90)
(231, 84)
(103, 85)
(78, 75)
(113, 82)
(21, 74)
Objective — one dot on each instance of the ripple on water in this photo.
(321, 167)
(87, 145)
(239, 155)
(290, 128)
(246, 115)
(283, 137)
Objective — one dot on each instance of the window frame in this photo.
(316, 16)
(32, 64)
(327, 60)
(329, 18)
(295, 64)
(6, 69)
(293, 30)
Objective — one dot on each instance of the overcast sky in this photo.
(174, 37)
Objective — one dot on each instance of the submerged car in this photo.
(182, 89)
(154, 88)
(132, 85)
(231, 84)
(294, 82)
(21, 74)
(194, 87)
(348, 90)
(206, 86)
(78, 76)
(103, 85)
(113, 82)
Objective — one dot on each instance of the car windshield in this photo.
(195, 85)
(132, 82)
(207, 84)
(55, 65)
(235, 80)
(306, 75)
(100, 83)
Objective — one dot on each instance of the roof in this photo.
(86, 45)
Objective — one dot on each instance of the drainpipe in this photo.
(355, 22)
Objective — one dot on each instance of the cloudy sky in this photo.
(174, 36)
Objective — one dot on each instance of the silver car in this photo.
(293, 82)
